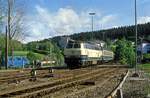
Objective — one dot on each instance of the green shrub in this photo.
(20, 53)
(146, 56)
(123, 61)
(124, 52)
(34, 56)
(41, 51)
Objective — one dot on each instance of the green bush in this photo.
(34, 56)
(124, 52)
(146, 56)
(123, 61)
(20, 53)
(41, 51)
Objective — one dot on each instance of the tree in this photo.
(124, 52)
(14, 24)
(47, 48)
(58, 55)
(1, 16)
(34, 56)
(14, 13)
(31, 56)
(114, 33)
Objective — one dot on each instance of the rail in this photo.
(49, 87)
(118, 90)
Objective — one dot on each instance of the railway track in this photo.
(25, 74)
(13, 72)
(51, 87)
(105, 85)
(19, 75)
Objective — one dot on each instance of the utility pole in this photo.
(135, 36)
(92, 26)
(7, 32)
(0, 57)
(103, 36)
(6, 49)
(50, 50)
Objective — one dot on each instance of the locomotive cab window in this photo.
(73, 45)
(93, 47)
(77, 45)
(70, 45)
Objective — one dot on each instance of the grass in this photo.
(39, 55)
(20, 53)
(24, 53)
(146, 67)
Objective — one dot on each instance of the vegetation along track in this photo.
(50, 87)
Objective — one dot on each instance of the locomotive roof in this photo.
(91, 42)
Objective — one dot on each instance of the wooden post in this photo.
(6, 49)
(0, 57)
(119, 93)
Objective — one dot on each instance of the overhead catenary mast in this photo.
(92, 15)
(135, 2)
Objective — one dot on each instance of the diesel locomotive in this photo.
(81, 54)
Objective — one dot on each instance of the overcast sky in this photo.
(48, 18)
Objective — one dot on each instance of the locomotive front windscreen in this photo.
(73, 45)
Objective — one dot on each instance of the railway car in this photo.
(81, 54)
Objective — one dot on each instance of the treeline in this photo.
(43, 50)
(17, 45)
(127, 32)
